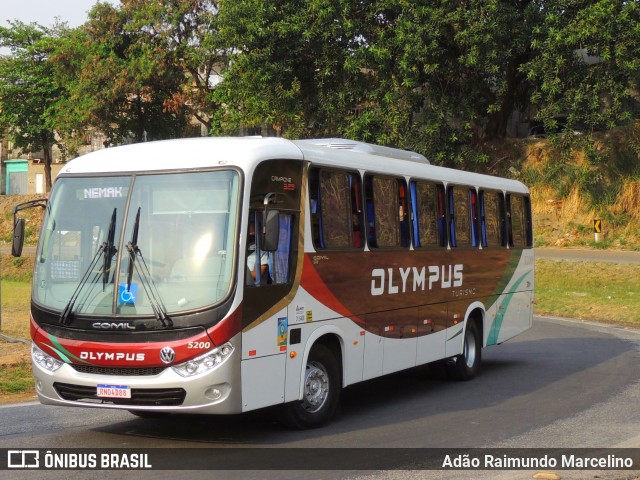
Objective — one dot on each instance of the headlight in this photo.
(45, 360)
(204, 363)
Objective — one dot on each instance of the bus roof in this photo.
(246, 152)
(321, 154)
(183, 154)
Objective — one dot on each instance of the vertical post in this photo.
(597, 229)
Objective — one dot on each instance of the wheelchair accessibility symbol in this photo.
(127, 297)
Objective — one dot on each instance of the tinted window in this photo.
(463, 216)
(520, 221)
(427, 202)
(335, 209)
(387, 212)
(492, 213)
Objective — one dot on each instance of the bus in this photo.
(223, 275)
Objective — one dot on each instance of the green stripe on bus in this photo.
(502, 309)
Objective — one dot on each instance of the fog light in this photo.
(216, 392)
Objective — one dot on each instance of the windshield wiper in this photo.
(108, 250)
(132, 246)
(155, 299)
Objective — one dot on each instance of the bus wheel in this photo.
(466, 366)
(320, 394)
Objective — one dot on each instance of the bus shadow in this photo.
(525, 373)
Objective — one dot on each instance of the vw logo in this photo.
(167, 355)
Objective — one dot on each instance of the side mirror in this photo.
(18, 224)
(18, 237)
(271, 231)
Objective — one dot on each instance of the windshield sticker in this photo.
(65, 269)
(127, 297)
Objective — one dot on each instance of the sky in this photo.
(74, 12)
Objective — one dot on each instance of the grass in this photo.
(15, 379)
(16, 382)
(589, 291)
(15, 308)
(17, 269)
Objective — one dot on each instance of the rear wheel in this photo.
(467, 365)
(320, 394)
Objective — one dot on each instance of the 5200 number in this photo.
(199, 345)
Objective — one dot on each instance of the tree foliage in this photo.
(439, 77)
(427, 75)
(291, 66)
(185, 31)
(28, 90)
(118, 81)
(586, 63)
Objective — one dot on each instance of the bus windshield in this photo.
(135, 244)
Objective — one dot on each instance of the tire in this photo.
(321, 392)
(467, 365)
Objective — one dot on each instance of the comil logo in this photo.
(23, 459)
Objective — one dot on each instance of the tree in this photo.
(118, 82)
(447, 74)
(587, 63)
(292, 65)
(431, 76)
(28, 90)
(186, 31)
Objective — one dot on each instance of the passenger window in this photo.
(463, 216)
(492, 219)
(519, 212)
(273, 267)
(428, 215)
(257, 259)
(336, 213)
(387, 213)
(280, 259)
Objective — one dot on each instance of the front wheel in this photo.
(320, 394)
(467, 365)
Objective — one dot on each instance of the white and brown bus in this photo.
(222, 275)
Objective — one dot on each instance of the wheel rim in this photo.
(470, 351)
(316, 387)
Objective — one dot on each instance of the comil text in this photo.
(397, 280)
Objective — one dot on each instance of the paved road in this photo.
(561, 384)
(26, 251)
(583, 255)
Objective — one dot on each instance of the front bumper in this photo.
(155, 390)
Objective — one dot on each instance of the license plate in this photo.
(114, 391)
